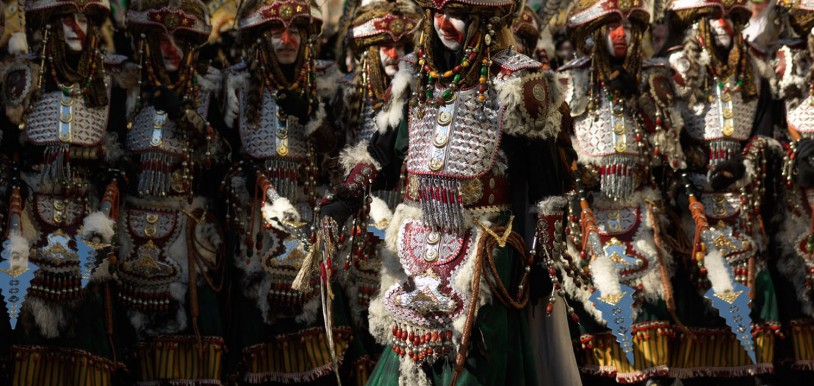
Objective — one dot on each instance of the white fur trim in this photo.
(717, 273)
(317, 120)
(235, 82)
(328, 83)
(280, 209)
(18, 44)
(604, 275)
(51, 318)
(18, 249)
(551, 205)
(211, 81)
(380, 213)
(113, 147)
(575, 90)
(356, 154)
(391, 114)
(510, 96)
(97, 223)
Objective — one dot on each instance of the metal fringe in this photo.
(441, 204)
(156, 174)
(721, 150)
(56, 164)
(616, 180)
(284, 175)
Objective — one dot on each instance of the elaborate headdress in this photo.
(262, 13)
(801, 14)
(589, 15)
(39, 12)
(184, 19)
(377, 22)
(527, 26)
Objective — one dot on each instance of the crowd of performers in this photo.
(407, 192)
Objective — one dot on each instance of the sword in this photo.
(611, 298)
(729, 297)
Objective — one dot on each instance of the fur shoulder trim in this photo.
(551, 205)
(17, 44)
(400, 86)
(574, 83)
(236, 78)
(98, 224)
(317, 120)
(327, 78)
(211, 81)
(531, 104)
(356, 154)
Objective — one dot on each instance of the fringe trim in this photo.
(626, 378)
(723, 372)
(307, 376)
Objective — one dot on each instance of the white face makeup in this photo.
(618, 39)
(389, 55)
(722, 32)
(286, 43)
(450, 29)
(171, 53)
(74, 30)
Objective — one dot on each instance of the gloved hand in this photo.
(726, 173)
(339, 210)
(805, 163)
(293, 104)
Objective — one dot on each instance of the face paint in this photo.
(286, 43)
(450, 29)
(389, 55)
(170, 53)
(74, 29)
(618, 39)
(722, 32)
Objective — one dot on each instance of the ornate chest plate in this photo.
(610, 132)
(272, 138)
(728, 116)
(459, 140)
(154, 131)
(58, 118)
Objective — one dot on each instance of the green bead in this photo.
(447, 95)
(483, 70)
(429, 94)
(810, 244)
(456, 78)
(430, 79)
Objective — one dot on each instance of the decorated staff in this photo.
(61, 215)
(718, 82)
(170, 258)
(276, 115)
(380, 34)
(617, 273)
(481, 120)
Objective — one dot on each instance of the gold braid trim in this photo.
(375, 76)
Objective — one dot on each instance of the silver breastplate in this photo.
(369, 123)
(459, 140)
(65, 119)
(271, 137)
(726, 117)
(153, 131)
(801, 118)
(611, 131)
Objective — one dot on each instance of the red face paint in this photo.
(448, 28)
(618, 39)
(70, 21)
(726, 27)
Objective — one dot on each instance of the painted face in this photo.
(618, 39)
(390, 54)
(74, 29)
(286, 43)
(722, 32)
(450, 29)
(659, 34)
(171, 53)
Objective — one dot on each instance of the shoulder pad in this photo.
(18, 80)
(576, 63)
(511, 60)
(536, 97)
